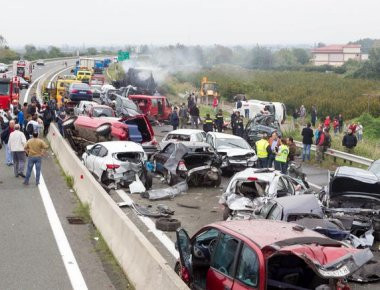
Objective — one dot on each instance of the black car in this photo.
(260, 125)
(196, 162)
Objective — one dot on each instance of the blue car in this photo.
(80, 92)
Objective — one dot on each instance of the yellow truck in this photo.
(57, 89)
(84, 75)
(208, 91)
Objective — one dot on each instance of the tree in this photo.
(55, 52)
(221, 54)
(3, 42)
(262, 58)
(285, 57)
(302, 55)
(92, 51)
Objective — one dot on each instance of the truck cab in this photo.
(84, 75)
(23, 68)
(9, 92)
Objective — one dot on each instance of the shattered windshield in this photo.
(222, 143)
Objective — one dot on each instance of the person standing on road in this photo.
(5, 139)
(281, 160)
(274, 143)
(292, 149)
(208, 124)
(323, 142)
(183, 116)
(349, 142)
(35, 148)
(240, 126)
(233, 121)
(47, 117)
(307, 140)
(16, 143)
(263, 151)
(194, 116)
(174, 120)
(341, 123)
(219, 121)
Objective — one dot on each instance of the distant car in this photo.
(117, 163)
(195, 162)
(40, 62)
(375, 167)
(79, 92)
(183, 135)
(264, 254)
(236, 153)
(3, 68)
(96, 90)
(23, 83)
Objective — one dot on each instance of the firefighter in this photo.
(219, 121)
(262, 150)
(208, 124)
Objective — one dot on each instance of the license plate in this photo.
(82, 93)
(341, 272)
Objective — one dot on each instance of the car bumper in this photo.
(80, 97)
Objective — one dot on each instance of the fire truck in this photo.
(23, 68)
(9, 92)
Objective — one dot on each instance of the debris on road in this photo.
(137, 186)
(75, 220)
(167, 224)
(166, 193)
(188, 205)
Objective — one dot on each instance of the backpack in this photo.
(30, 129)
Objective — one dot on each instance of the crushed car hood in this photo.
(232, 152)
(327, 261)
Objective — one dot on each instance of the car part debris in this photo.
(137, 186)
(165, 209)
(368, 273)
(167, 224)
(75, 220)
(188, 205)
(166, 193)
(365, 240)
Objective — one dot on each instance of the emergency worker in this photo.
(262, 150)
(208, 124)
(281, 160)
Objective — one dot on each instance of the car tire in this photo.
(169, 178)
(69, 123)
(167, 224)
(226, 213)
(104, 129)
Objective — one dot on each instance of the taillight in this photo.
(89, 92)
(112, 166)
(74, 91)
(185, 275)
(182, 166)
(252, 178)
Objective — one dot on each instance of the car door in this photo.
(223, 264)
(92, 154)
(99, 161)
(161, 157)
(248, 270)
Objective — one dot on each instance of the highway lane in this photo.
(31, 248)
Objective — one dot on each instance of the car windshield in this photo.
(179, 137)
(81, 86)
(103, 112)
(232, 143)
(4, 89)
(375, 168)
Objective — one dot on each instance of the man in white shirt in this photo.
(16, 145)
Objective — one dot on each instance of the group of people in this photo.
(273, 151)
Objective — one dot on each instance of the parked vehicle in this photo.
(83, 130)
(235, 151)
(155, 107)
(40, 62)
(97, 79)
(117, 163)
(264, 254)
(183, 135)
(3, 68)
(23, 83)
(249, 189)
(196, 162)
(23, 68)
(9, 92)
(79, 92)
(84, 75)
(255, 107)
(353, 196)
(260, 125)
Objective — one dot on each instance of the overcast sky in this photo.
(119, 22)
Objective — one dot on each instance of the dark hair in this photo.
(308, 124)
(291, 139)
(35, 134)
(25, 104)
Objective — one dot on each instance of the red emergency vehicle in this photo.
(157, 107)
(23, 68)
(9, 92)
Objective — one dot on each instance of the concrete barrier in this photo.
(140, 260)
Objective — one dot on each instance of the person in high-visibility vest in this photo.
(281, 160)
(262, 151)
(208, 124)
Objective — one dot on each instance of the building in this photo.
(337, 55)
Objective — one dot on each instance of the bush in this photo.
(371, 126)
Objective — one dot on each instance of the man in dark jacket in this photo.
(194, 114)
(313, 115)
(234, 117)
(340, 120)
(208, 124)
(292, 149)
(174, 120)
(349, 142)
(219, 121)
(307, 140)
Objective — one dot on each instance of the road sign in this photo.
(122, 55)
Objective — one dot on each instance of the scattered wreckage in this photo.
(264, 254)
(259, 126)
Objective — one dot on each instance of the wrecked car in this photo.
(375, 167)
(117, 163)
(183, 135)
(259, 126)
(81, 131)
(235, 151)
(249, 189)
(353, 197)
(264, 254)
(196, 162)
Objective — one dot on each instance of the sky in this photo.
(204, 22)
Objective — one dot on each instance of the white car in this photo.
(183, 135)
(3, 68)
(81, 107)
(40, 62)
(117, 163)
(235, 151)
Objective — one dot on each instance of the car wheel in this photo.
(167, 224)
(104, 129)
(69, 123)
(169, 178)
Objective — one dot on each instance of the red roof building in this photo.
(336, 54)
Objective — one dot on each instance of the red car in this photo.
(264, 254)
(157, 107)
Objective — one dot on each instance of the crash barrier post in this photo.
(342, 155)
(143, 264)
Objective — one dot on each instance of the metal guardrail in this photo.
(342, 155)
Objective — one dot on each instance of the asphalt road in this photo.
(39, 248)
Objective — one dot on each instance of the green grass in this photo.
(82, 210)
(204, 109)
(69, 180)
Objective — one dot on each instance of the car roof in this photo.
(262, 174)
(190, 144)
(304, 203)
(356, 174)
(146, 97)
(223, 135)
(122, 146)
(266, 232)
(185, 131)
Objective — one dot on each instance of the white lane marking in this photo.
(71, 265)
(160, 235)
(31, 86)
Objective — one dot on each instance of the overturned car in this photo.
(259, 126)
(196, 162)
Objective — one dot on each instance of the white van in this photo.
(254, 107)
